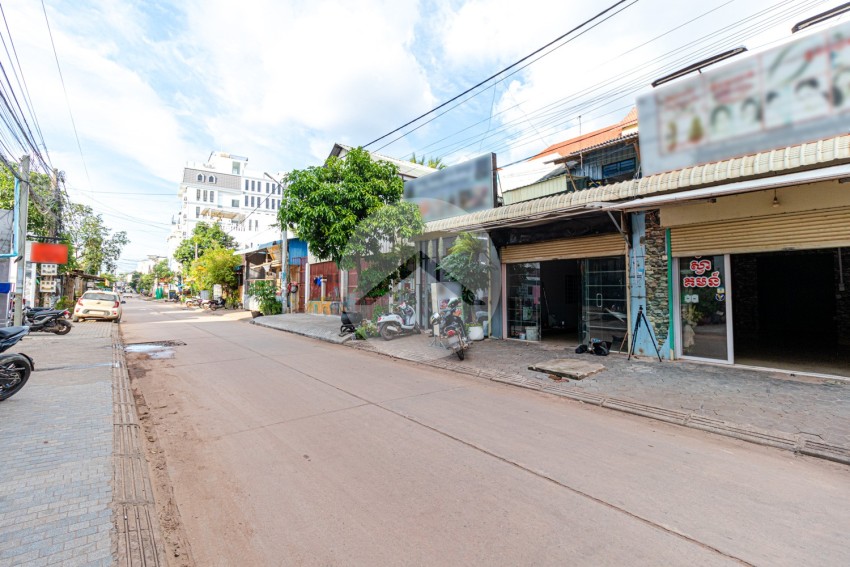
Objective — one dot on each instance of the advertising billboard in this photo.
(467, 187)
(794, 93)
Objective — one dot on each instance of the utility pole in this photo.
(22, 205)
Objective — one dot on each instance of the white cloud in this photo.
(335, 70)
(485, 32)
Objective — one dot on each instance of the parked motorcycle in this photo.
(450, 328)
(48, 321)
(193, 302)
(213, 304)
(402, 321)
(15, 368)
(34, 310)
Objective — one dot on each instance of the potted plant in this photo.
(475, 331)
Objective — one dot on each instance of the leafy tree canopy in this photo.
(207, 236)
(435, 162)
(91, 246)
(38, 223)
(467, 264)
(216, 266)
(382, 247)
(324, 205)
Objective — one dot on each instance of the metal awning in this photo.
(221, 213)
(810, 162)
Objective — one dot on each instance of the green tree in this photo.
(324, 205)
(266, 294)
(162, 272)
(216, 266)
(135, 280)
(205, 236)
(39, 222)
(382, 247)
(435, 162)
(467, 264)
(91, 246)
(146, 282)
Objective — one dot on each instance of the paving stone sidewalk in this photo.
(804, 414)
(63, 454)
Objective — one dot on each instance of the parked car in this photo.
(98, 305)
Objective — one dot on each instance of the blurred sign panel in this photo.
(44, 253)
(49, 269)
(795, 93)
(47, 286)
(467, 187)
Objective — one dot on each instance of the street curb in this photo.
(797, 444)
(139, 536)
(343, 340)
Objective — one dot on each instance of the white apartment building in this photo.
(222, 190)
(146, 266)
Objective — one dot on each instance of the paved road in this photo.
(284, 450)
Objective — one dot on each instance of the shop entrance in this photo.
(567, 301)
(790, 311)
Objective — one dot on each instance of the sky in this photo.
(152, 85)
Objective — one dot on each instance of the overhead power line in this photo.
(617, 89)
(65, 91)
(491, 77)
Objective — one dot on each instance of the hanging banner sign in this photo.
(49, 269)
(47, 286)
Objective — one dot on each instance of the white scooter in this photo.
(403, 322)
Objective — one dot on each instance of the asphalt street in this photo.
(283, 450)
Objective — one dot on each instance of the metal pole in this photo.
(23, 209)
(284, 271)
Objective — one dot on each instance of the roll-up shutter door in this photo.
(565, 249)
(791, 231)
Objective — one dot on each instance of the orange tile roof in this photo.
(600, 136)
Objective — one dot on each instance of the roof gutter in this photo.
(764, 183)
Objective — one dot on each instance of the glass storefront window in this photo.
(523, 293)
(703, 307)
(604, 300)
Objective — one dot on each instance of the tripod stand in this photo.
(642, 317)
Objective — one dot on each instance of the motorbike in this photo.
(193, 302)
(402, 321)
(48, 321)
(350, 321)
(451, 332)
(34, 310)
(15, 368)
(213, 304)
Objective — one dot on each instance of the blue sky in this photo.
(155, 84)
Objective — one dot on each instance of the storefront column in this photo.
(648, 282)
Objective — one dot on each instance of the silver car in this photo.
(98, 305)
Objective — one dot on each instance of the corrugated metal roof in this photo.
(811, 155)
(591, 139)
(614, 142)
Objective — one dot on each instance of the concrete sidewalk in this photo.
(322, 327)
(65, 497)
(803, 414)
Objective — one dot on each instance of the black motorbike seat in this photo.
(8, 332)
